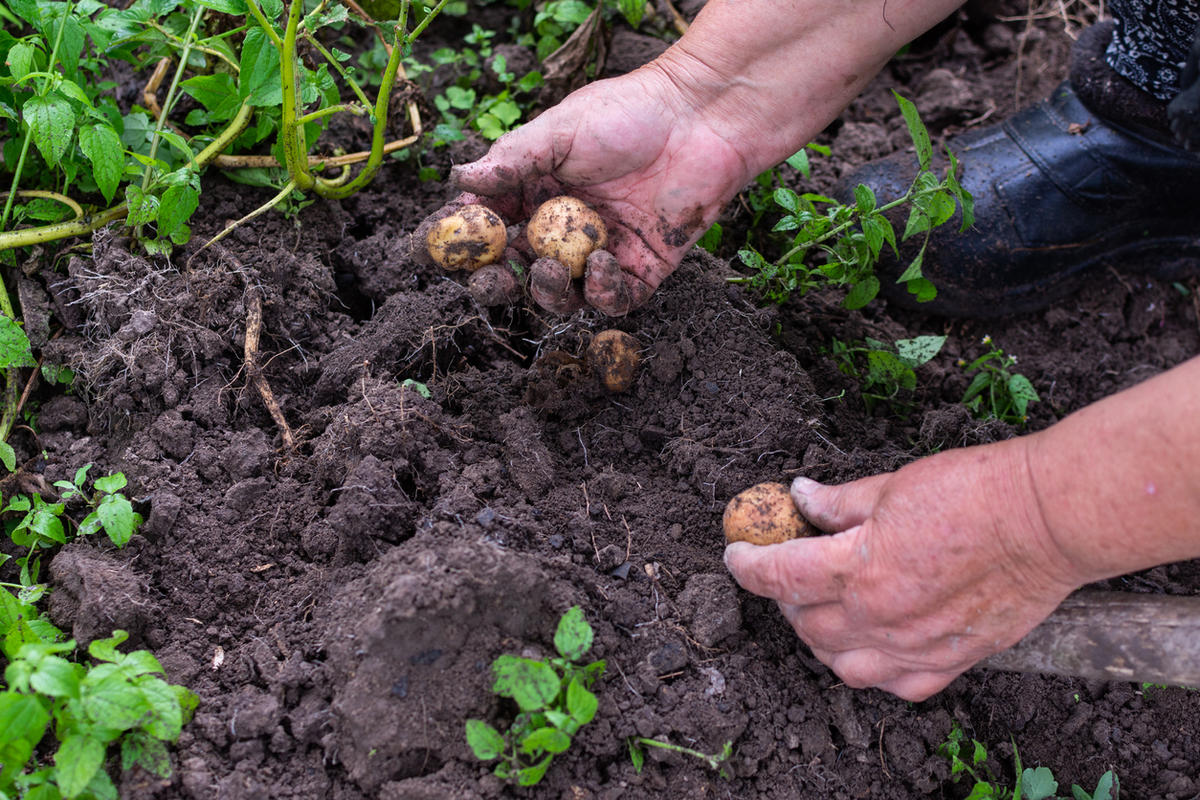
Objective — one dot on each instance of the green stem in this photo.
(261, 19)
(291, 132)
(337, 66)
(329, 111)
(829, 234)
(170, 99)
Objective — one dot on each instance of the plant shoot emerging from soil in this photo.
(889, 370)
(996, 390)
(553, 699)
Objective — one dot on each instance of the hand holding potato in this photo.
(645, 162)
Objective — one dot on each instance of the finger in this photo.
(516, 157)
(825, 626)
(799, 572)
(552, 288)
(508, 206)
(918, 686)
(836, 508)
(604, 285)
(867, 667)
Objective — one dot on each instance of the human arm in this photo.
(958, 555)
(661, 150)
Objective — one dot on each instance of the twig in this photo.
(681, 24)
(254, 371)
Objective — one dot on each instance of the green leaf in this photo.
(887, 370)
(178, 144)
(20, 60)
(460, 98)
(166, 717)
(923, 289)
(71, 45)
(77, 759)
(55, 677)
(964, 197)
(144, 751)
(711, 240)
(111, 701)
(637, 756)
(143, 207)
(107, 483)
(864, 199)
(978, 384)
(799, 162)
(916, 130)
(530, 776)
(218, 93)
(102, 146)
(574, 635)
(178, 204)
(119, 519)
(633, 11)
(1022, 393)
(532, 684)
(484, 740)
(581, 703)
(914, 268)
(920, 349)
(862, 293)
(106, 649)
(258, 79)
(1038, 784)
(23, 721)
(785, 197)
(8, 457)
(545, 740)
(236, 8)
(52, 123)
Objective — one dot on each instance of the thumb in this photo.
(836, 508)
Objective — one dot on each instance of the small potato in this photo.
(566, 229)
(764, 514)
(494, 285)
(613, 357)
(469, 237)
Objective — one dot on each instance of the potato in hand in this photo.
(764, 514)
(568, 230)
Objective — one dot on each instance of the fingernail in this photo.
(729, 551)
(804, 486)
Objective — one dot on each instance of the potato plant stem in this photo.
(337, 67)
(261, 19)
(291, 131)
(832, 232)
(170, 99)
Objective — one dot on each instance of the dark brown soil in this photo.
(337, 608)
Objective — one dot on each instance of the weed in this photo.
(122, 699)
(889, 369)
(553, 699)
(715, 762)
(1031, 783)
(997, 391)
(851, 237)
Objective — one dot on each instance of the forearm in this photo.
(1119, 481)
(771, 74)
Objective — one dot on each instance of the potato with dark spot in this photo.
(613, 358)
(566, 229)
(764, 514)
(468, 237)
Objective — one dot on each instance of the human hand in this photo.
(929, 569)
(641, 154)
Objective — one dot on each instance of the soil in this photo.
(337, 607)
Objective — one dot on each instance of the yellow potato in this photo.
(566, 229)
(613, 357)
(764, 514)
(468, 238)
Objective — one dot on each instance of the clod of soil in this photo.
(568, 230)
(764, 514)
(613, 357)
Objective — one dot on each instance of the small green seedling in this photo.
(553, 699)
(997, 391)
(716, 762)
(1032, 783)
(888, 370)
(851, 237)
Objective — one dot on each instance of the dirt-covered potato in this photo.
(613, 358)
(764, 514)
(495, 284)
(469, 237)
(566, 229)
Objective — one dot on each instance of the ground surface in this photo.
(337, 608)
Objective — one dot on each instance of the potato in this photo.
(613, 357)
(566, 229)
(469, 237)
(764, 514)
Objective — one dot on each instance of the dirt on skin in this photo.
(337, 608)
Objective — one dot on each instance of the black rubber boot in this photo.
(1061, 189)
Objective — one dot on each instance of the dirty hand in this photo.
(641, 155)
(930, 569)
